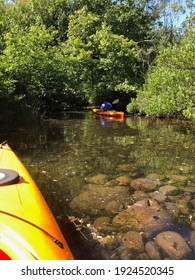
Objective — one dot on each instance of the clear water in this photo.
(62, 154)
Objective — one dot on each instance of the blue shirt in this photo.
(106, 106)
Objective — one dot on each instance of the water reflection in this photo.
(108, 121)
(96, 170)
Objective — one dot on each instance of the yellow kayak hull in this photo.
(28, 229)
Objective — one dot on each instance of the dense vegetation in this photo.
(58, 55)
(170, 84)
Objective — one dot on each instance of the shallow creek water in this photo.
(110, 183)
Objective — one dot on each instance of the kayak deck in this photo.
(28, 229)
(109, 113)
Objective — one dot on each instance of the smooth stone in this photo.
(153, 251)
(172, 244)
(98, 179)
(134, 241)
(144, 184)
(167, 189)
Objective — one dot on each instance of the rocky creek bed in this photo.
(149, 217)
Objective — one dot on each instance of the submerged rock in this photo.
(160, 197)
(168, 189)
(157, 222)
(101, 198)
(145, 215)
(124, 180)
(174, 178)
(172, 244)
(153, 250)
(138, 195)
(156, 177)
(182, 204)
(192, 240)
(99, 179)
(103, 224)
(133, 241)
(144, 205)
(172, 208)
(124, 253)
(144, 184)
(126, 221)
(144, 210)
(112, 183)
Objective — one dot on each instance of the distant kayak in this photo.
(109, 113)
(28, 229)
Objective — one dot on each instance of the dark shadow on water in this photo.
(79, 241)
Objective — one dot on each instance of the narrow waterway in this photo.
(97, 173)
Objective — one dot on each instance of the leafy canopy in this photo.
(169, 89)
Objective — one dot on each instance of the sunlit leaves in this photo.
(170, 87)
(82, 25)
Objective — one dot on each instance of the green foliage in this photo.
(82, 25)
(105, 61)
(6, 82)
(54, 13)
(130, 18)
(170, 89)
(57, 55)
(116, 68)
(95, 6)
(37, 68)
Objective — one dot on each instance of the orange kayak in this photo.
(28, 229)
(109, 113)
